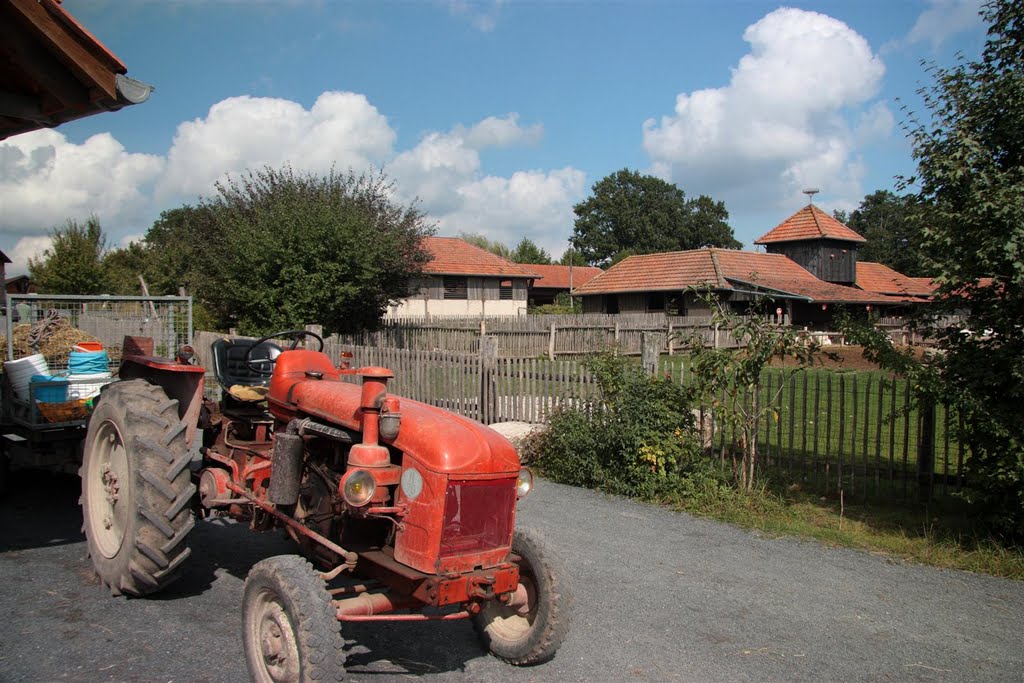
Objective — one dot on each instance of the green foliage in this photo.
(74, 262)
(644, 214)
(571, 256)
(892, 227)
(635, 441)
(169, 258)
(493, 246)
(285, 249)
(528, 252)
(729, 380)
(970, 156)
(564, 305)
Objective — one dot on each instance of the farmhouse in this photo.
(811, 266)
(464, 280)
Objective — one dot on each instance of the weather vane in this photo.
(810, 192)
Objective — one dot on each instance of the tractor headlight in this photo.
(358, 488)
(524, 484)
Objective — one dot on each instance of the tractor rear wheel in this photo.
(530, 631)
(136, 489)
(289, 628)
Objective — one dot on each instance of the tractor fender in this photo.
(184, 383)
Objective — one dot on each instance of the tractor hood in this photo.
(441, 441)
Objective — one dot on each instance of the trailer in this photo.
(37, 430)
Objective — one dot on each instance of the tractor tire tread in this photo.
(155, 544)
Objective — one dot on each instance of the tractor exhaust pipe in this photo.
(369, 604)
(285, 469)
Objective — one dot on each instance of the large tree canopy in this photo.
(891, 224)
(630, 213)
(284, 249)
(970, 156)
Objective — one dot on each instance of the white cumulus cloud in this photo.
(795, 109)
(533, 204)
(25, 249)
(341, 129)
(444, 172)
(45, 180)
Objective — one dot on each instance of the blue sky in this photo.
(497, 116)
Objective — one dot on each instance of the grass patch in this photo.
(939, 534)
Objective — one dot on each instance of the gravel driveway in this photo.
(661, 596)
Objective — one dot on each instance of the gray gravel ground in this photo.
(660, 596)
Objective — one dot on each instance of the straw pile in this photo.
(56, 345)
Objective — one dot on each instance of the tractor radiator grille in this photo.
(478, 516)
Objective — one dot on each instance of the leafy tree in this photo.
(74, 262)
(528, 252)
(493, 246)
(287, 248)
(892, 227)
(572, 256)
(729, 380)
(175, 245)
(644, 214)
(970, 170)
(123, 267)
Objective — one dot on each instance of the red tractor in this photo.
(400, 510)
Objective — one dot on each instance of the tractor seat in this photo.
(234, 376)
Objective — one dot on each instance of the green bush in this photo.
(637, 440)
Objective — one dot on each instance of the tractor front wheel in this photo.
(290, 630)
(136, 489)
(530, 630)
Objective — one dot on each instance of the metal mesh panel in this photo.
(108, 319)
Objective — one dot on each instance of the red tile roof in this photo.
(453, 256)
(925, 283)
(722, 269)
(809, 223)
(670, 271)
(876, 277)
(557, 277)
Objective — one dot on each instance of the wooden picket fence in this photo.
(549, 336)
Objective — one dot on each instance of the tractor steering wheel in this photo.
(295, 335)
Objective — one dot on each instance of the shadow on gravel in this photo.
(220, 545)
(40, 509)
(410, 649)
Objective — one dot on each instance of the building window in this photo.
(676, 305)
(611, 303)
(456, 288)
(656, 301)
(505, 291)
